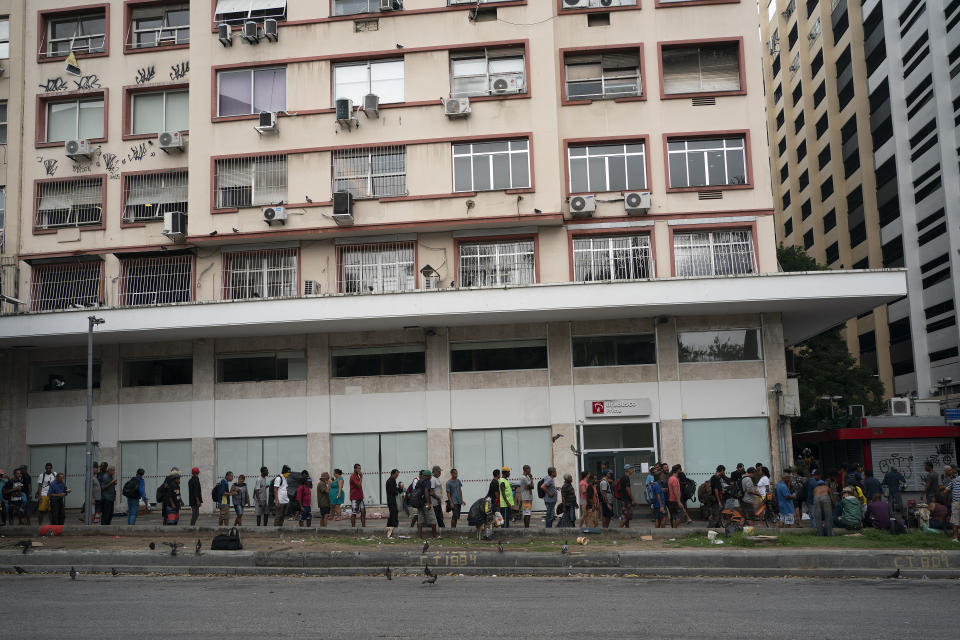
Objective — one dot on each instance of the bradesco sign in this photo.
(617, 408)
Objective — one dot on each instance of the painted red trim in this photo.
(128, 7)
(726, 226)
(691, 3)
(608, 48)
(672, 215)
(40, 124)
(878, 433)
(682, 44)
(431, 196)
(91, 227)
(124, 176)
(43, 18)
(575, 142)
(705, 135)
(648, 230)
(566, 12)
(129, 91)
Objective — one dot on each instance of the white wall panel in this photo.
(378, 412)
(486, 408)
(724, 398)
(260, 417)
(156, 420)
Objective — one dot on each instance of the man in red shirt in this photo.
(356, 498)
(674, 497)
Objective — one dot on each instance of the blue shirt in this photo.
(812, 483)
(784, 501)
(658, 495)
(455, 491)
(57, 487)
(871, 487)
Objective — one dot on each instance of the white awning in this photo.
(262, 8)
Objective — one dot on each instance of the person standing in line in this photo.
(568, 494)
(953, 487)
(134, 497)
(241, 499)
(812, 482)
(95, 495)
(591, 510)
(437, 487)
(582, 485)
(506, 496)
(426, 517)
(356, 497)
(108, 494)
(716, 495)
(606, 499)
(57, 492)
(43, 486)
(195, 495)
(658, 504)
(894, 481)
(785, 502)
(171, 498)
(763, 484)
(751, 497)
(822, 508)
(550, 497)
(224, 492)
(798, 487)
(336, 494)
(674, 496)
(261, 498)
(454, 489)
(323, 498)
(930, 482)
(628, 501)
(526, 495)
(305, 500)
(281, 496)
(393, 513)
(414, 485)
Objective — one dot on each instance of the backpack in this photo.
(417, 496)
(215, 493)
(648, 493)
(705, 493)
(540, 492)
(131, 489)
(226, 541)
(688, 489)
(801, 492)
(162, 493)
(618, 491)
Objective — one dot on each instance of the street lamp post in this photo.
(88, 489)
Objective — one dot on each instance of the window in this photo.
(487, 72)
(713, 253)
(269, 273)
(719, 346)
(376, 268)
(378, 361)
(357, 79)
(497, 264)
(491, 166)
(154, 26)
(614, 351)
(69, 203)
(372, 172)
(506, 355)
(602, 76)
(257, 367)
(829, 220)
(156, 280)
(612, 258)
(239, 11)
(787, 227)
(706, 68)
(603, 4)
(250, 182)
(707, 162)
(158, 111)
(808, 239)
(66, 285)
(80, 33)
(149, 196)
(157, 372)
(4, 37)
(62, 376)
(609, 167)
(833, 253)
(3, 122)
(351, 7)
(72, 119)
(3, 212)
(251, 91)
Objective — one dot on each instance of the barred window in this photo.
(80, 33)
(69, 203)
(703, 163)
(373, 172)
(270, 273)
(713, 253)
(487, 72)
(491, 166)
(602, 76)
(149, 196)
(701, 69)
(376, 268)
(610, 167)
(497, 264)
(155, 280)
(249, 182)
(66, 285)
(612, 258)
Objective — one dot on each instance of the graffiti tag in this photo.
(50, 166)
(111, 165)
(146, 74)
(88, 82)
(54, 84)
(137, 152)
(178, 71)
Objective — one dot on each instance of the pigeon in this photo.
(173, 547)
(212, 233)
(575, 451)
(426, 545)
(309, 199)
(499, 546)
(426, 570)
(114, 572)
(152, 546)
(388, 573)
(399, 46)
(537, 211)
(73, 573)
(26, 544)
(235, 230)
(430, 580)
(559, 435)
(20, 570)
(197, 548)
(895, 574)
(563, 549)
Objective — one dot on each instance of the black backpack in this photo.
(215, 493)
(227, 541)
(688, 489)
(162, 493)
(540, 492)
(418, 496)
(131, 489)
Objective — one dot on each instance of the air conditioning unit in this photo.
(175, 225)
(456, 108)
(274, 214)
(774, 45)
(898, 407)
(311, 288)
(267, 122)
(344, 108)
(225, 35)
(857, 411)
(77, 149)
(583, 206)
(637, 202)
(391, 5)
(270, 31)
(500, 86)
(576, 4)
(791, 7)
(371, 105)
(251, 32)
(343, 208)
(606, 3)
(431, 282)
(170, 141)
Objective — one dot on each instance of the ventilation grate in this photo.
(710, 195)
(707, 101)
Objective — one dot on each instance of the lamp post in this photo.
(88, 489)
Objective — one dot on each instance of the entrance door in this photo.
(616, 460)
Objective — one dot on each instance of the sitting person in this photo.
(939, 519)
(878, 513)
(851, 516)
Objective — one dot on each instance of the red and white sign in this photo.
(617, 408)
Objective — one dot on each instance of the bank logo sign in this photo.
(617, 408)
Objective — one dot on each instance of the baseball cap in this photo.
(195, 470)
(505, 469)
(627, 467)
(427, 472)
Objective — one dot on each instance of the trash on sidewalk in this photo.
(647, 538)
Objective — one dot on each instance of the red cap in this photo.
(195, 470)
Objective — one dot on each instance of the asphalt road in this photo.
(470, 607)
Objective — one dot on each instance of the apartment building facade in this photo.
(862, 111)
(467, 234)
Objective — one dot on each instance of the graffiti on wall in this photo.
(180, 70)
(145, 74)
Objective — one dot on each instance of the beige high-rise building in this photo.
(400, 234)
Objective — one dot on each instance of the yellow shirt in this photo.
(507, 491)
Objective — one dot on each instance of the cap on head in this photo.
(286, 469)
(427, 473)
(627, 467)
(195, 470)
(505, 469)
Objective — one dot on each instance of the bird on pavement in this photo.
(25, 544)
(20, 570)
(563, 549)
(388, 573)
(430, 580)
(426, 570)
(426, 545)
(152, 546)
(895, 574)
(197, 548)
(499, 546)
(557, 437)
(73, 573)
(114, 572)
(173, 547)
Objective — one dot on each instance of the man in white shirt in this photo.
(43, 487)
(281, 497)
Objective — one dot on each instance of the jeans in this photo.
(551, 514)
(505, 512)
(822, 508)
(107, 514)
(194, 514)
(133, 505)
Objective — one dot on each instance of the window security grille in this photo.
(612, 258)
(149, 196)
(270, 273)
(247, 182)
(69, 203)
(374, 172)
(60, 286)
(497, 264)
(376, 268)
(155, 280)
(713, 253)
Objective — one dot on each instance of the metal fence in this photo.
(373, 172)
(612, 258)
(148, 196)
(155, 280)
(66, 285)
(496, 264)
(69, 203)
(382, 267)
(713, 253)
(247, 182)
(270, 273)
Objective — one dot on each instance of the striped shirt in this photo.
(954, 487)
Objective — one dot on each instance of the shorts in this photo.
(44, 504)
(357, 506)
(676, 511)
(658, 513)
(238, 509)
(606, 510)
(955, 514)
(324, 511)
(748, 510)
(224, 511)
(426, 517)
(626, 510)
(305, 514)
(786, 518)
(527, 505)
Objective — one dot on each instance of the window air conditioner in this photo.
(77, 149)
(898, 406)
(637, 202)
(456, 108)
(267, 122)
(371, 105)
(251, 32)
(344, 108)
(431, 282)
(576, 4)
(774, 45)
(175, 225)
(224, 35)
(270, 31)
(170, 141)
(391, 5)
(500, 86)
(856, 411)
(583, 206)
(274, 214)
(343, 208)
(311, 288)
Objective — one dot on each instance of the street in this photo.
(471, 607)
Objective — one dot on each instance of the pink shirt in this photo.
(673, 484)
